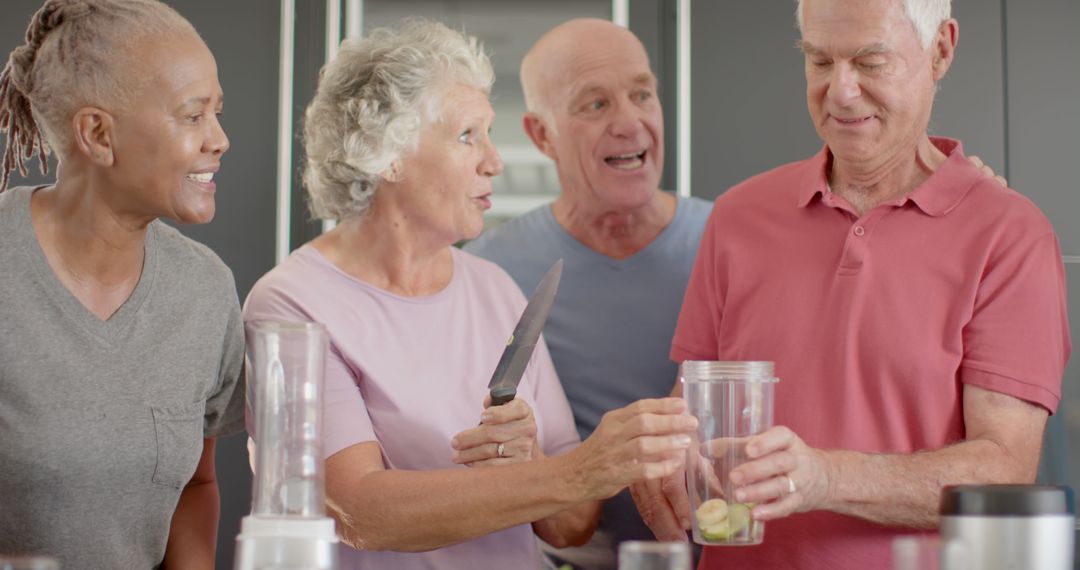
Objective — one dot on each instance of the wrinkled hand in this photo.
(985, 169)
(511, 425)
(645, 440)
(775, 456)
(664, 505)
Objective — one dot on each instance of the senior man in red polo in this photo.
(915, 308)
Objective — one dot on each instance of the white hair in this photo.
(371, 103)
(925, 15)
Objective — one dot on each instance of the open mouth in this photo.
(485, 201)
(201, 177)
(629, 161)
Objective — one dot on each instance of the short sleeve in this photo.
(1017, 340)
(555, 421)
(224, 414)
(702, 309)
(345, 418)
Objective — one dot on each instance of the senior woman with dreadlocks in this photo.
(121, 341)
(398, 152)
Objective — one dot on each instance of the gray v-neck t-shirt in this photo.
(102, 422)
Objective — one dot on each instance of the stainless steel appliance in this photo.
(1011, 527)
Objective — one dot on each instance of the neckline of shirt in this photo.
(104, 330)
(681, 211)
(311, 254)
(938, 195)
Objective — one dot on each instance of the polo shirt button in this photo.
(859, 231)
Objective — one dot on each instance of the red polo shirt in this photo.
(875, 322)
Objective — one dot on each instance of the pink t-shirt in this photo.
(410, 373)
(875, 323)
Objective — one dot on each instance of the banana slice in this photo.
(738, 517)
(712, 512)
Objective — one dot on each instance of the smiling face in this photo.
(869, 82)
(444, 186)
(608, 126)
(168, 142)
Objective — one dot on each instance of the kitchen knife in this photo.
(519, 347)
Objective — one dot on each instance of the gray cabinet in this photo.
(1043, 93)
(971, 103)
(1066, 422)
(748, 97)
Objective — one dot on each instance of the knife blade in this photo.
(520, 345)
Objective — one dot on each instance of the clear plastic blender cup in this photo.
(287, 361)
(287, 528)
(732, 402)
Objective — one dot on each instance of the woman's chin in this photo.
(474, 231)
(202, 214)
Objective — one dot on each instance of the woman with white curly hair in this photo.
(398, 153)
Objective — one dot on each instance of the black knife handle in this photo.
(502, 395)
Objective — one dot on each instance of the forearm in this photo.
(193, 532)
(904, 490)
(415, 511)
(571, 527)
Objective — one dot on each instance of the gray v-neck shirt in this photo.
(101, 422)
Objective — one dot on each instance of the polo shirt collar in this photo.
(937, 196)
(815, 177)
(948, 185)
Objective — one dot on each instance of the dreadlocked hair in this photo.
(77, 53)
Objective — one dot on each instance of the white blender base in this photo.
(286, 543)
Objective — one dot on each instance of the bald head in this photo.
(549, 68)
(594, 111)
